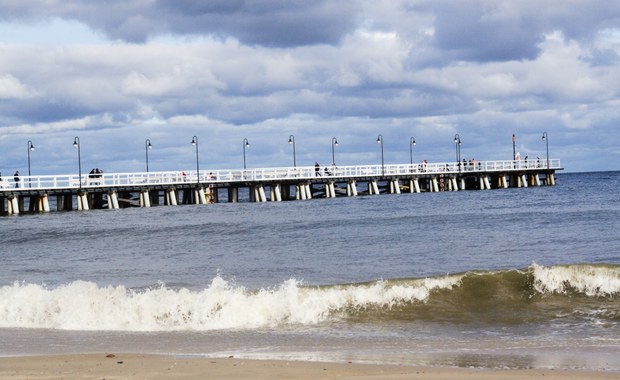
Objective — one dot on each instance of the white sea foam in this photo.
(83, 305)
(591, 280)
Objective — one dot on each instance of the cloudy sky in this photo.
(115, 73)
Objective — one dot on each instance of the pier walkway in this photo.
(119, 190)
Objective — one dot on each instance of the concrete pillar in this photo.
(233, 195)
(330, 191)
(373, 187)
(44, 203)
(82, 201)
(145, 198)
(416, 185)
(524, 180)
(551, 179)
(434, 185)
(454, 184)
(171, 197)
(276, 193)
(351, 188)
(487, 182)
(537, 179)
(13, 205)
(394, 186)
(199, 196)
(462, 183)
(504, 182)
(308, 191)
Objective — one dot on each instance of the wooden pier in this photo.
(121, 190)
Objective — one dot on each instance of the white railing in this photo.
(72, 181)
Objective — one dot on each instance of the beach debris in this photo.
(110, 356)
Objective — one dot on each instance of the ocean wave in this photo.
(506, 296)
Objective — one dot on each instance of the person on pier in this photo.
(16, 178)
(317, 169)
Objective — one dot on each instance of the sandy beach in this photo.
(137, 366)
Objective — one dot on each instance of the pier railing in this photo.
(73, 181)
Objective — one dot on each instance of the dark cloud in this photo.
(488, 30)
(267, 23)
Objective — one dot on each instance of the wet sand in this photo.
(137, 366)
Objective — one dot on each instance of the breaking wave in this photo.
(536, 293)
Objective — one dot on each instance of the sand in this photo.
(136, 366)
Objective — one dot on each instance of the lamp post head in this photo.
(291, 139)
(544, 135)
(30, 145)
(412, 141)
(194, 140)
(379, 139)
(246, 143)
(335, 141)
(148, 144)
(76, 142)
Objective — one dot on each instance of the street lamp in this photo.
(291, 140)
(30, 148)
(334, 143)
(195, 144)
(147, 147)
(76, 144)
(380, 141)
(546, 140)
(457, 146)
(246, 144)
(411, 145)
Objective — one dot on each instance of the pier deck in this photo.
(119, 190)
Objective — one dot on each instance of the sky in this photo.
(119, 72)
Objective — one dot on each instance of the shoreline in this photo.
(147, 366)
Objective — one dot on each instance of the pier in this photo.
(120, 190)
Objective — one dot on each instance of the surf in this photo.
(537, 294)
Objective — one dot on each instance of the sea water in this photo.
(510, 278)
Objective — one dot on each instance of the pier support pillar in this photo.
(199, 196)
(434, 185)
(536, 179)
(13, 205)
(276, 193)
(351, 189)
(112, 200)
(373, 187)
(416, 185)
(259, 193)
(394, 186)
(524, 180)
(330, 191)
(171, 197)
(487, 182)
(551, 180)
(145, 199)
(308, 191)
(44, 204)
(503, 181)
(82, 201)
(233, 195)
(454, 184)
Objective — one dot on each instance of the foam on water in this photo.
(82, 305)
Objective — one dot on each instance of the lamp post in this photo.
(195, 144)
(457, 146)
(147, 147)
(411, 145)
(380, 141)
(246, 144)
(291, 141)
(546, 140)
(30, 148)
(514, 148)
(76, 144)
(334, 143)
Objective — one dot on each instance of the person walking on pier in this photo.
(317, 169)
(16, 178)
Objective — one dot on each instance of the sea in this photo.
(508, 278)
